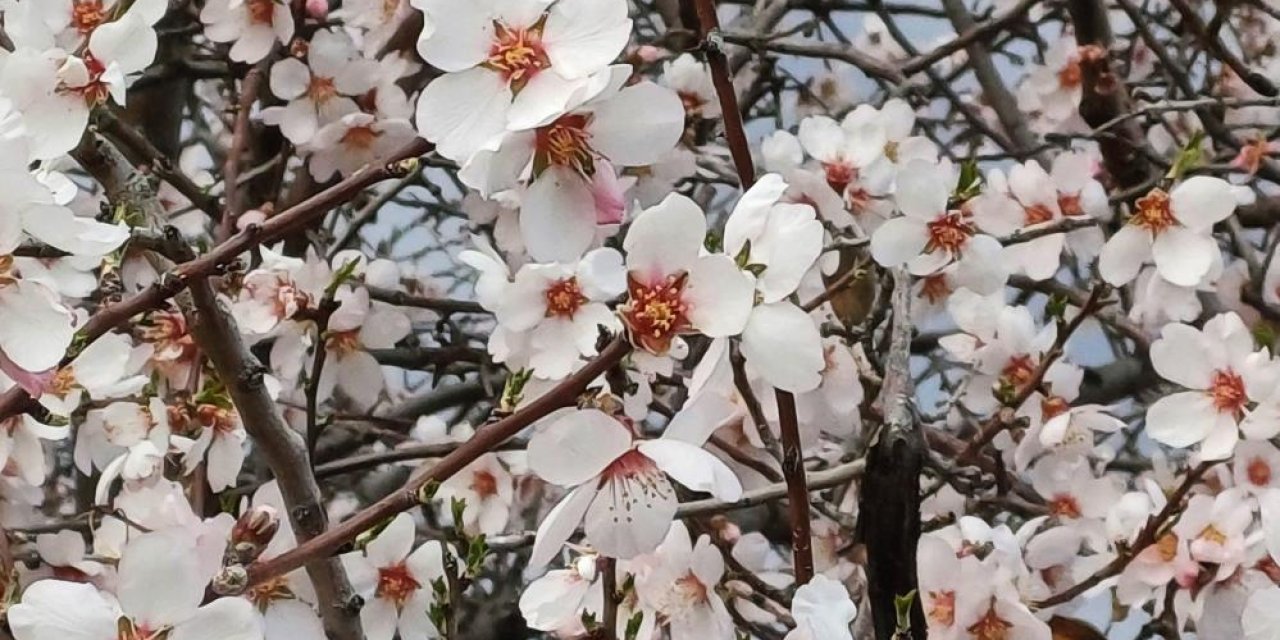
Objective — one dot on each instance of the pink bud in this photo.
(608, 194)
(318, 9)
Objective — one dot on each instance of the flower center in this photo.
(321, 89)
(1167, 547)
(273, 590)
(94, 91)
(8, 275)
(63, 381)
(1069, 204)
(990, 627)
(360, 137)
(948, 233)
(1154, 212)
(564, 298)
(935, 288)
(396, 584)
(86, 15)
(1228, 393)
(839, 175)
(1258, 472)
(343, 342)
(517, 54)
(484, 484)
(1053, 406)
(565, 143)
(942, 609)
(1251, 155)
(1038, 213)
(261, 11)
(1018, 371)
(1066, 506)
(891, 150)
(127, 629)
(1212, 535)
(656, 312)
(1070, 76)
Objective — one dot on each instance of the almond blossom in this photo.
(320, 90)
(253, 26)
(681, 581)
(395, 581)
(619, 487)
(1172, 229)
(513, 65)
(1225, 377)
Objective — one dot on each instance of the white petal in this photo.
(1181, 419)
(665, 238)
(922, 190)
(1124, 254)
(637, 125)
(693, 467)
(222, 619)
(1181, 355)
(35, 330)
(557, 219)
(560, 524)
(393, 543)
(576, 446)
(1183, 256)
(631, 514)
(464, 112)
(898, 240)
(159, 578)
(1202, 201)
(783, 344)
(582, 36)
(58, 609)
(290, 78)
(455, 36)
(129, 42)
(719, 296)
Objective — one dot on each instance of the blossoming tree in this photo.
(639, 319)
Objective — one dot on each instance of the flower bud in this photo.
(251, 534)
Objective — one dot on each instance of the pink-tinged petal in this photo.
(898, 240)
(558, 216)
(693, 467)
(222, 619)
(455, 37)
(34, 383)
(1202, 201)
(719, 296)
(1181, 419)
(783, 344)
(665, 238)
(576, 446)
(393, 543)
(560, 524)
(464, 112)
(608, 194)
(64, 610)
(638, 124)
(1124, 254)
(1182, 355)
(632, 512)
(1183, 256)
(582, 36)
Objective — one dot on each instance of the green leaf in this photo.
(902, 607)
(1189, 157)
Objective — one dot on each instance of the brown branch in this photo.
(1105, 98)
(285, 453)
(1256, 80)
(968, 37)
(249, 88)
(890, 490)
(442, 305)
(406, 497)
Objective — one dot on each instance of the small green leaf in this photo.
(1189, 157)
